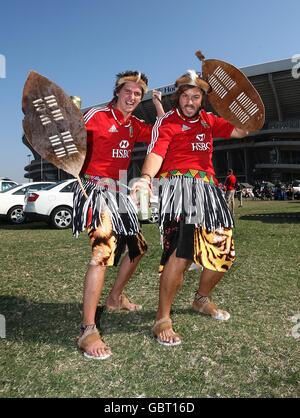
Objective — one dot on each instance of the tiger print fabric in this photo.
(212, 250)
(103, 242)
(107, 247)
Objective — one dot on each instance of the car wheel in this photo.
(16, 215)
(61, 218)
(153, 218)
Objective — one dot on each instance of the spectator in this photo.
(239, 190)
(195, 220)
(109, 214)
(230, 185)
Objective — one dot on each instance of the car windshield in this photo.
(54, 185)
(246, 185)
(10, 188)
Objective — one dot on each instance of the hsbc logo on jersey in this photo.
(122, 152)
(200, 137)
(200, 146)
(124, 144)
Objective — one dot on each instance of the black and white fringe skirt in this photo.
(194, 201)
(103, 198)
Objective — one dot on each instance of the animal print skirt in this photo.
(108, 247)
(212, 250)
(110, 217)
(195, 220)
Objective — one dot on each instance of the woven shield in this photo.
(53, 124)
(232, 95)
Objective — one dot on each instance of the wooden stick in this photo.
(81, 186)
(200, 55)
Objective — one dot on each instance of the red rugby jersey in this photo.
(110, 141)
(186, 143)
(230, 182)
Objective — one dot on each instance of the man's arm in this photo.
(150, 168)
(161, 137)
(151, 165)
(238, 133)
(145, 133)
(156, 98)
(221, 128)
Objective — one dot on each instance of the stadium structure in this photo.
(272, 154)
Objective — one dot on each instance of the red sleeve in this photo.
(220, 127)
(161, 137)
(90, 120)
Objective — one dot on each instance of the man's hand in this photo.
(156, 96)
(156, 99)
(239, 133)
(140, 184)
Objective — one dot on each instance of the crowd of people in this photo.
(262, 190)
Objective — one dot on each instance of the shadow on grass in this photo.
(27, 320)
(274, 218)
(58, 323)
(25, 226)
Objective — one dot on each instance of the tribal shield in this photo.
(232, 95)
(53, 124)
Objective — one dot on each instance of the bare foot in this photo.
(91, 344)
(164, 334)
(98, 349)
(122, 304)
(168, 337)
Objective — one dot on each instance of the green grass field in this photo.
(254, 354)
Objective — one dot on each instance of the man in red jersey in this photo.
(106, 209)
(230, 185)
(194, 217)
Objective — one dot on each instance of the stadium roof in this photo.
(278, 83)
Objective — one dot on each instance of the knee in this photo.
(180, 264)
(100, 256)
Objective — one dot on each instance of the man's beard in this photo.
(193, 115)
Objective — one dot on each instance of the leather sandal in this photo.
(124, 305)
(165, 324)
(89, 336)
(204, 305)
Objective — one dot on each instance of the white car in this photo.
(296, 189)
(247, 190)
(12, 200)
(6, 184)
(153, 215)
(53, 205)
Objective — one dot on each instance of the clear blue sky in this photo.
(81, 45)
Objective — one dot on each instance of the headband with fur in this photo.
(135, 78)
(191, 78)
